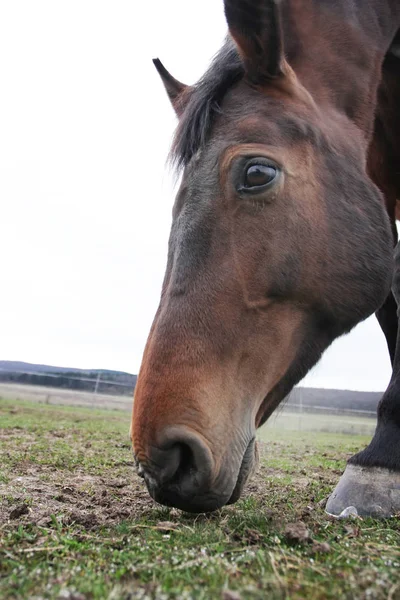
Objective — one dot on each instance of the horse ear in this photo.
(255, 26)
(174, 88)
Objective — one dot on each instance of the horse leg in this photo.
(371, 481)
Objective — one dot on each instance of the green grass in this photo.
(323, 423)
(90, 530)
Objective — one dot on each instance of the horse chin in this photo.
(247, 468)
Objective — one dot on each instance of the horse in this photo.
(283, 238)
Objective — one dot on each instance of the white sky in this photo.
(86, 198)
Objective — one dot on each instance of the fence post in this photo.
(301, 410)
(96, 387)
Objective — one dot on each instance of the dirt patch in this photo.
(297, 533)
(19, 510)
(43, 496)
(85, 500)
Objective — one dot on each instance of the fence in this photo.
(62, 388)
(111, 394)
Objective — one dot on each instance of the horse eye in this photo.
(259, 175)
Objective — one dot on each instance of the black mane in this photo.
(204, 103)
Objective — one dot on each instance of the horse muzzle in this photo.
(181, 472)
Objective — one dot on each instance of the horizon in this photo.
(301, 384)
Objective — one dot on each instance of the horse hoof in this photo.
(367, 492)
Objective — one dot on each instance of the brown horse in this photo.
(282, 240)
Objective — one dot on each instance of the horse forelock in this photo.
(205, 103)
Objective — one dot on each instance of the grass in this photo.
(323, 423)
(75, 522)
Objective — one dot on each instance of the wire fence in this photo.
(64, 388)
(101, 391)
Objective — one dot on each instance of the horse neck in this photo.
(337, 48)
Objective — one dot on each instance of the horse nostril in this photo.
(187, 464)
(182, 462)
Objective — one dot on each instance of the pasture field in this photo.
(284, 418)
(317, 423)
(76, 523)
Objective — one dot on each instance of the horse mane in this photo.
(204, 103)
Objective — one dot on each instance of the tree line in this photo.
(103, 382)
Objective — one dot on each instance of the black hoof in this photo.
(367, 492)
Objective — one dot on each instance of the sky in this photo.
(86, 195)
